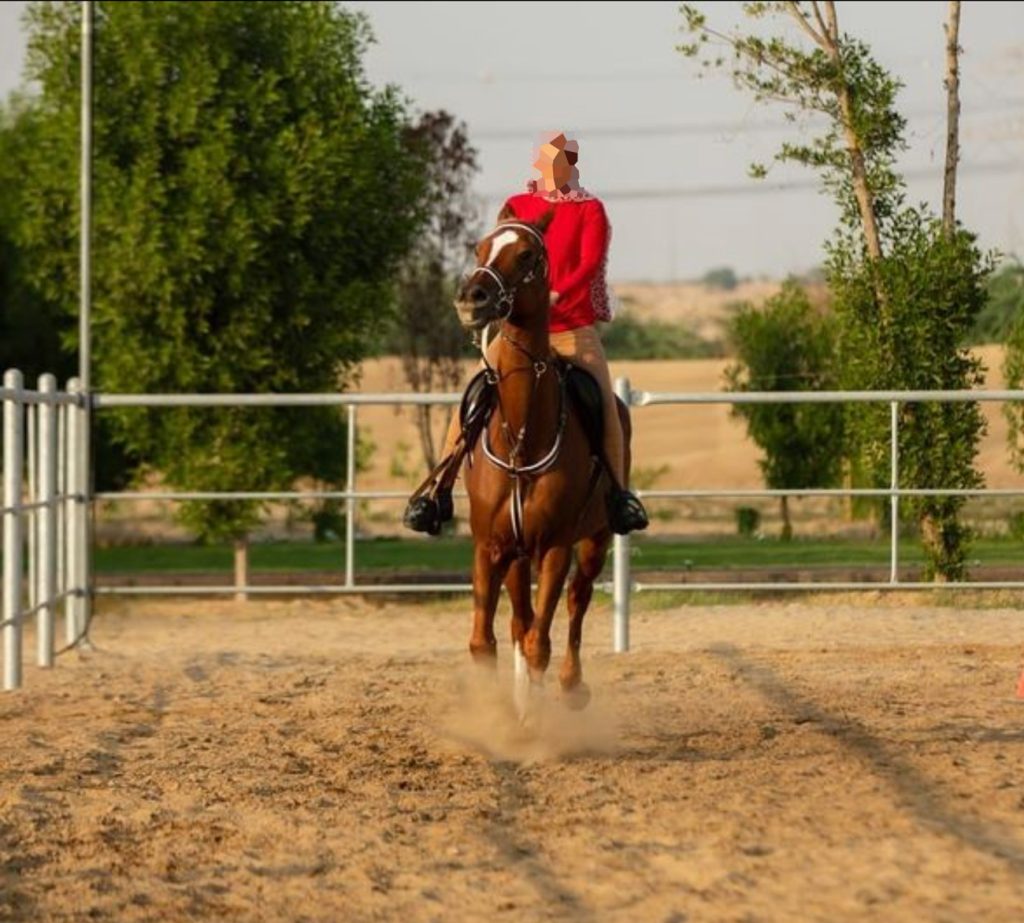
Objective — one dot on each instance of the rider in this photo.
(577, 248)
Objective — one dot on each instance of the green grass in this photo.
(449, 554)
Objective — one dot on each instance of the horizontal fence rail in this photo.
(50, 519)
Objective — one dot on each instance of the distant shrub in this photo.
(723, 278)
(628, 337)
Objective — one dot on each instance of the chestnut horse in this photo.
(536, 492)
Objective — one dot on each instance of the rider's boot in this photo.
(625, 511)
(428, 511)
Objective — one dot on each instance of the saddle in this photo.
(480, 399)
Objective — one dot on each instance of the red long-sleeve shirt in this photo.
(577, 244)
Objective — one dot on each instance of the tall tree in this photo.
(787, 346)
(906, 287)
(30, 327)
(253, 197)
(427, 334)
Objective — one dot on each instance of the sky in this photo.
(668, 152)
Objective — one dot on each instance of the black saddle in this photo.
(480, 399)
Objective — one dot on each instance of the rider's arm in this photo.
(593, 247)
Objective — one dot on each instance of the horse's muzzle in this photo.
(476, 307)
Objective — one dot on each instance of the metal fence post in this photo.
(46, 527)
(13, 471)
(63, 508)
(73, 535)
(350, 502)
(85, 513)
(894, 500)
(31, 521)
(621, 579)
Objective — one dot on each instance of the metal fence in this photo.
(45, 510)
(53, 519)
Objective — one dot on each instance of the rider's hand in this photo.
(554, 298)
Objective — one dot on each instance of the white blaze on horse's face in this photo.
(499, 242)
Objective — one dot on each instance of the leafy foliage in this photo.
(787, 346)
(30, 327)
(253, 197)
(723, 278)
(1005, 305)
(629, 337)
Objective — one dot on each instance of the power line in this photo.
(763, 187)
(715, 128)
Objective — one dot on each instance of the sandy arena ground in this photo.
(338, 761)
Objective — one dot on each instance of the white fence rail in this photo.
(48, 498)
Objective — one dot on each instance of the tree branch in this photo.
(952, 117)
(833, 22)
(820, 21)
(798, 15)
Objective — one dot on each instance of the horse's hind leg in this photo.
(590, 558)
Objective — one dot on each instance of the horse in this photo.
(534, 478)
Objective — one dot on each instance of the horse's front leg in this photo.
(518, 585)
(517, 582)
(554, 565)
(487, 577)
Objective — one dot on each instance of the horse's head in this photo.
(510, 258)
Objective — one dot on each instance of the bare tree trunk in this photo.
(931, 526)
(241, 569)
(858, 168)
(952, 117)
(424, 421)
(787, 523)
(932, 538)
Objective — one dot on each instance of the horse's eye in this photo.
(525, 257)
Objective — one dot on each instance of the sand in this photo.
(338, 760)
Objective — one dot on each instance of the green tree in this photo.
(629, 337)
(34, 331)
(252, 199)
(906, 285)
(1013, 372)
(30, 327)
(788, 346)
(427, 333)
(723, 278)
(1005, 305)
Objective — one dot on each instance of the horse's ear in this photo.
(544, 220)
(506, 214)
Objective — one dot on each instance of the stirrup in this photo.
(625, 512)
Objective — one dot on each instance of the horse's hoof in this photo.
(577, 698)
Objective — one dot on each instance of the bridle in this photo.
(506, 297)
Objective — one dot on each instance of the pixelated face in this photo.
(509, 256)
(556, 160)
